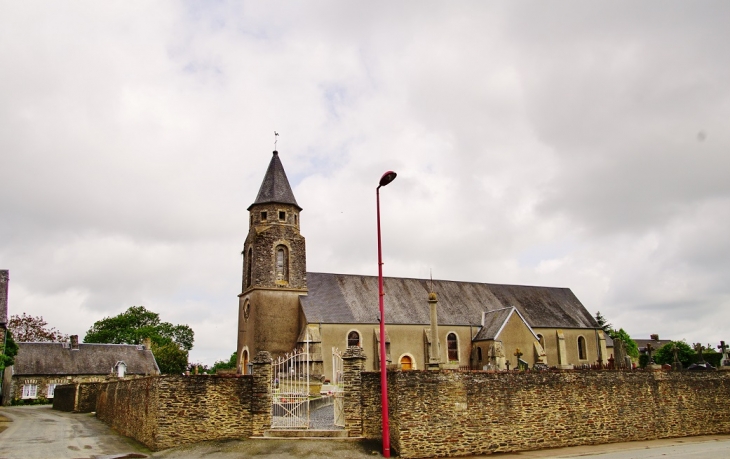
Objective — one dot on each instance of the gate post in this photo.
(353, 363)
(261, 394)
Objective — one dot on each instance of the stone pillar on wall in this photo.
(602, 351)
(562, 352)
(353, 364)
(261, 394)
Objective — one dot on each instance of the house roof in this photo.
(4, 278)
(345, 298)
(89, 359)
(275, 187)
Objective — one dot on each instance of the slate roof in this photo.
(493, 321)
(275, 187)
(345, 298)
(89, 359)
(4, 279)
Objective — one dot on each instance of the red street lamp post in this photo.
(384, 180)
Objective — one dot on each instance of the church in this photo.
(430, 324)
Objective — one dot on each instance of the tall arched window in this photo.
(282, 263)
(244, 362)
(479, 354)
(452, 344)
(353, 339)
(581, 348)
(249, 260)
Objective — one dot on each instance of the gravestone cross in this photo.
(650, 348)
(677, 365)
(700, 348)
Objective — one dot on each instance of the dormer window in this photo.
(264, 215)
(282, 216)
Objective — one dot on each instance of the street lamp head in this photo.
(387, 178)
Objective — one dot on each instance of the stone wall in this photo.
(166, 411)
(65, 398)
(450, 413)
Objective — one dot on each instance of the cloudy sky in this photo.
(570, 144)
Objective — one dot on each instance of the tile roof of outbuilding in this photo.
(89, 359)
(275, 187)
(345, 298)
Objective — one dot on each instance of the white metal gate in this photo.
(339, 388)
(290, 390)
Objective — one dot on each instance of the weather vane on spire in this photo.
(276, 139)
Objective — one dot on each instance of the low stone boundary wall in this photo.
(64, 397)
(451, 413)
(166, 411)
(79, 398)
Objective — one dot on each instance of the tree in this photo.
(603, 323)
(170, 358)
(631, 348)
(27, 328)
(224, 365)
(8, 351)
(170, 343)
(684, 352)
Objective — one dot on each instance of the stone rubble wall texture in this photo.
(79, 398)
(166, 411)
(64, 398)
(451, 413)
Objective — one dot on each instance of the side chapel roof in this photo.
(89, 359)
(345, 298)
(275, 187)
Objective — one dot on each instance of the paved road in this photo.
(40, 432)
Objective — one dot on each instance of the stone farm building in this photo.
(40, 367)
(282, 307)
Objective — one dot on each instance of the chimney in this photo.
(74, 342)
(147, 343)
(654, 337)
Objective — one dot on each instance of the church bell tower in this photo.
(274, 270)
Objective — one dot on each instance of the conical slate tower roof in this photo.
(275, 187)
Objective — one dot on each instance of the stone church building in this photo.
(476, 326)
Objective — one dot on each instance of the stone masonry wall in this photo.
(162, 412)
(65, 398)
(450, 413)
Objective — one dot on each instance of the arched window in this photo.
(452, 344)
(406, 363)
(353, 339)
(581, 348)
(249, 260)
(542, 340)
(282, 263)
(244, 362)
(479, 354)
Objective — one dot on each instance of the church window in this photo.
(264, 215)
(282, 264)
(251, 220)
(282, 216)
(30, 391)
(353, 339)
(542, 340)
(581, 348)
(295, 219)
(244, 362)
(479, 354)
(452, 344)
(406, 363)
(248, 267)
